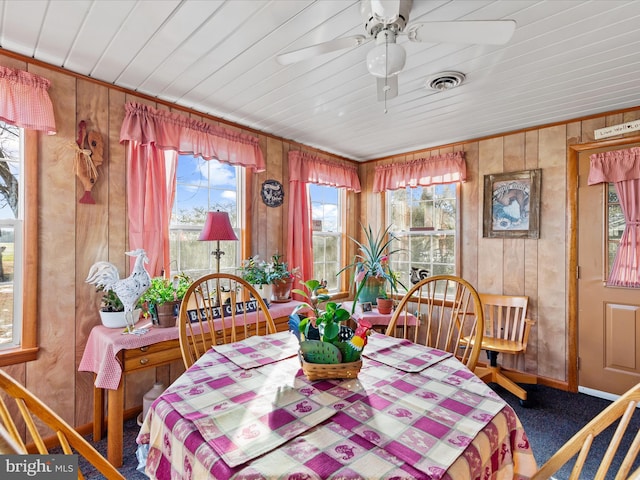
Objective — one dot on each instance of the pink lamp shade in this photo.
(217, 227)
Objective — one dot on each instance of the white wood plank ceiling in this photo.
(566, 59)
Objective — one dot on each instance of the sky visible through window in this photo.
(324, 206)
(202, 186)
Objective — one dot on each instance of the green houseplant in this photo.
(163, 298)
(371, 269)
(281, 278)
(273, 279)
(112, 309)
(328, 347)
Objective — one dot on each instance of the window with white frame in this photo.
(423, 224)
(326, 205)
(203, 186)
(11, 228)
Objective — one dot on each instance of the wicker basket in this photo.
(320, 371)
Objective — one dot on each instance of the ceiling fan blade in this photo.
(483, 32)
(390, 86)
(320, 49)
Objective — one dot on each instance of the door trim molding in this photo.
(573, 153)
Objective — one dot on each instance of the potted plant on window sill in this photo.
(163, 298)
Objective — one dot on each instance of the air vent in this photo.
(445, 81)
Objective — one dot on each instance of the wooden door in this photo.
(608, 317)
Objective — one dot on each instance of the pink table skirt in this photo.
(103, 345)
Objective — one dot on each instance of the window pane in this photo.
(327, 233)
(10, 238)
(202, 186)
(423, 226)
(615, 225)
(6, 286)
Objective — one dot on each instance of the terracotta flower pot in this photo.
(385, 305)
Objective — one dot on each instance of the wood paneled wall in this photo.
(533, 267)
(73, 236)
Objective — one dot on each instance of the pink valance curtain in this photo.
(309, 168)
(447, 168)
(154, 140)
(24, 100)
(622, 167)
(306, 168)
(166, 130)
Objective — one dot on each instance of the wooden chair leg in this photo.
(507, 379)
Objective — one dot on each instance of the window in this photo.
(326, 205)
(423, 224)
(615, 224)
(11, 221)
(202, 186)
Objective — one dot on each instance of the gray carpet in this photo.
(553, 418)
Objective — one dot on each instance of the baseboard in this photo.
(598, 393)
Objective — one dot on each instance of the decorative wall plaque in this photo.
(272, 193)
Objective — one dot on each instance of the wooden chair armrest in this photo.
(528, 323)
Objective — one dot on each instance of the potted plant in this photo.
(254, 271)
(112, 310)
(325, 339)
(281, 278)
(385, 304)
(371, 269)
(163, 298)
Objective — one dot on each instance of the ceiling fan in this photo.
(384, 21)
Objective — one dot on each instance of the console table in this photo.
(110, 355)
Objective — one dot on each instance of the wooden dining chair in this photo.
(20, 410)
(448, 309)
(207, 301)
(506, 330)
(621, 412)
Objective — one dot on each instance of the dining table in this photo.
(246, 410)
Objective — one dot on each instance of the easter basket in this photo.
(326, 371)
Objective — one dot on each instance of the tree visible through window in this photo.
(10, 237)
(202, 186)
(327, 233)
(423, 224)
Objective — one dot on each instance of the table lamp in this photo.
(217, 227)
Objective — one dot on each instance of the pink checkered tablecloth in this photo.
(257, 416)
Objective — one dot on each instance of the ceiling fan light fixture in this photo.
(387, 58)
(445, 81)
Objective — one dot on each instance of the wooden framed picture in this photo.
(512, 204)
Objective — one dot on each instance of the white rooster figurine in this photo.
(130, 289)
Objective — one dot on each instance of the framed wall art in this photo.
(512, 204)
